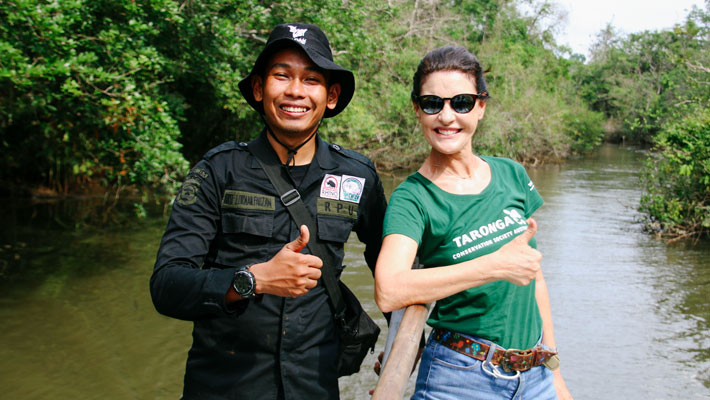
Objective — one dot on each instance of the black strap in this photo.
(277, 174)
(291, 151)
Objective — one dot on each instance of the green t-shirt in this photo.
(452, 228)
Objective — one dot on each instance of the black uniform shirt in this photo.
(227, 214)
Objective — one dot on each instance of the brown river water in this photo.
(631, 313)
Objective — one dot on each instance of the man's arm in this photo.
(179, 287)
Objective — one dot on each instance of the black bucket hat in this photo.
(315, 44)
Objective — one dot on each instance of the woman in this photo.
(469, 216)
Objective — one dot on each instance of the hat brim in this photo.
(338, 74)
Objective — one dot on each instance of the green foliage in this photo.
(641, 79)
(677, 179)
(528, 117)
(126, 93)
(81, 93)
(533, 95)
(584, 127)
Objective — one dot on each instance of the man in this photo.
(233, 261)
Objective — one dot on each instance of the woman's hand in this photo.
(518, 263)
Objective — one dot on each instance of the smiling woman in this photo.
(468, 219)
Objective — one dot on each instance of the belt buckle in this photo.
(506, 361)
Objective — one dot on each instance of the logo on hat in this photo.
(298, 34)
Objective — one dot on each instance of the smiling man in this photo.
(233, 261)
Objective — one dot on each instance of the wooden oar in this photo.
(398, 364)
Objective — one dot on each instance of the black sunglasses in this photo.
(461, 103)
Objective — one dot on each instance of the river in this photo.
(631, 313)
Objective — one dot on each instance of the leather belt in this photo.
(510, 359)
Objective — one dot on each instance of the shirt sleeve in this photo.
(179, 287)
(533, 200)
(405, 215)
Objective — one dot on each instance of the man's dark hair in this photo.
(449, 58)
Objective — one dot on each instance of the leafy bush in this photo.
(677, 178)
(81, 89)
(584, 127)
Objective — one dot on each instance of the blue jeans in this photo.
(445, 374)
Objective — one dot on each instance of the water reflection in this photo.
(75, 309)
(631, 313)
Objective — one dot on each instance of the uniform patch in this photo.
(199, 172)
(188, 192)
(330, 187)
(351, 188)
(337, 208)
(248, 201)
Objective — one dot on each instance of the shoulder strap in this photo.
(299, 213)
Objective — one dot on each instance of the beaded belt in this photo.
(509, 360)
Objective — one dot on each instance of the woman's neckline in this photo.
(449, 182)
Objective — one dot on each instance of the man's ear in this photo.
(257, 85)
(333, 94)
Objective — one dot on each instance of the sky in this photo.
(587, 17)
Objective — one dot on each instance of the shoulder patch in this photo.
(226, 146)
(352, 154)
(191, 186)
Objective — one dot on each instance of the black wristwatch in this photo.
(244, 282)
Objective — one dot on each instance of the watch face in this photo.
(243, 283)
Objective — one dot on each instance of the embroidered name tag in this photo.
(337, 207)
(247, 201)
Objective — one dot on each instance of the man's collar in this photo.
(323, 155)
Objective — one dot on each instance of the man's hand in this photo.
(517, 262)
(289, 273)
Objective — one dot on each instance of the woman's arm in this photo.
(397, 285)
(548, 332)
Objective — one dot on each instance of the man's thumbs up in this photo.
(289, 273)
(301, 241)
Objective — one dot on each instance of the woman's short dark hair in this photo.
(449, 58)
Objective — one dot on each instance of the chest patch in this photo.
(351, 188)
(337, 208)
(248, 201)
(330, 187)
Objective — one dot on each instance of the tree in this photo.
(120, 94)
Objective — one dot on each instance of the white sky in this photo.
(587, 17)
